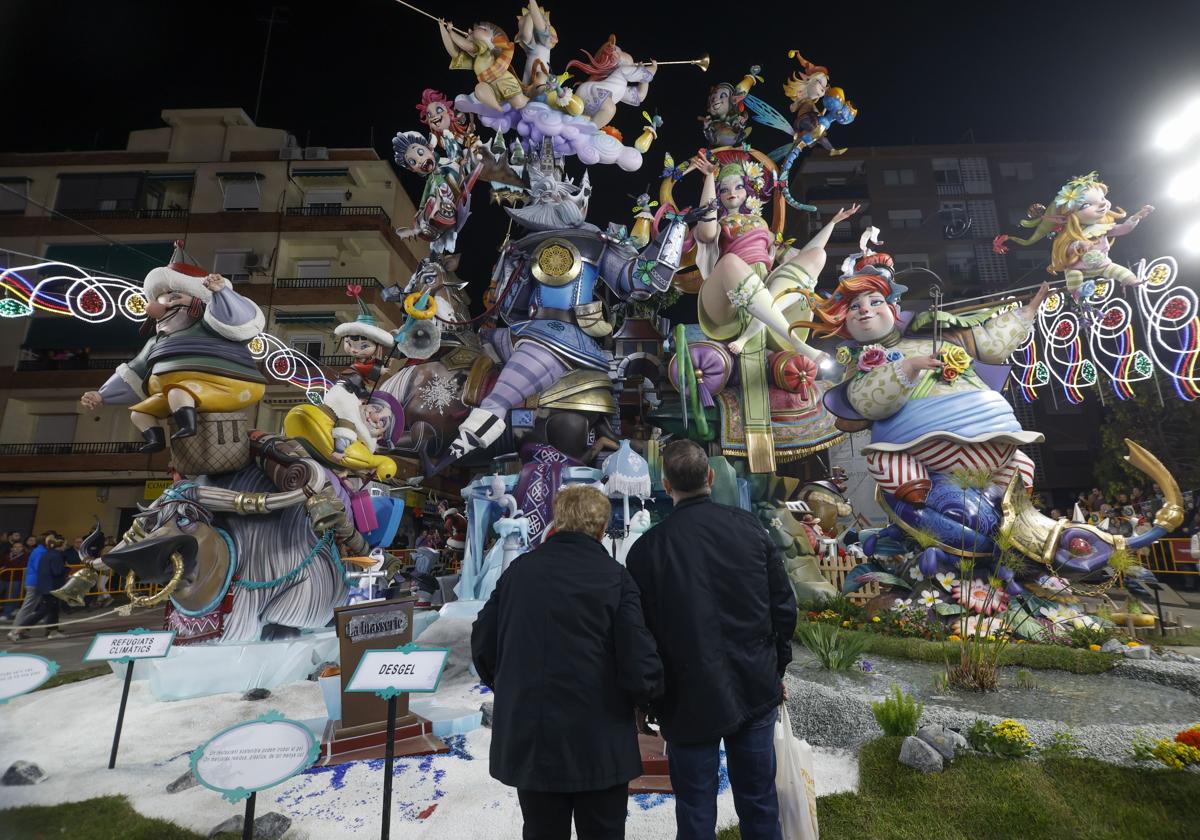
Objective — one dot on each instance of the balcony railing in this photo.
(338, 210)
(124, 448)
(336, 361)
(128, 213)
(324, 282)
(70, 364)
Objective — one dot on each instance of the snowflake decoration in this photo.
(438, 393)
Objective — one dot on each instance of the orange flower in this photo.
(1191, 737)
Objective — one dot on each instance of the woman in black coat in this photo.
(563, 644)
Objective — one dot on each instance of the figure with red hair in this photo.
(931, 411)
(613, 76)
(450, 131)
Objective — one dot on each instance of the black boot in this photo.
(185, 419)
(156, 440)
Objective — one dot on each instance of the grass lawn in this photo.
(1190, 638)
(1003, 799)
(1028, 655)
(78, 675)
(104, 818)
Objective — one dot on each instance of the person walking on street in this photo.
(12, 574)
(46, 572)
(563, 644)
(718, 601)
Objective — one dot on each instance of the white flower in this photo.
(946, 580)
(914, 572)
(1059, 614)
(901, 604)
(754, 205)
(753, 170)
(929, 597)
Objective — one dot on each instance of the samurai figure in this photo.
(197, 360)
(548, 282)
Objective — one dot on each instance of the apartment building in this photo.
(291, 227)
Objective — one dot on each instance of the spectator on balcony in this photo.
(45, 572)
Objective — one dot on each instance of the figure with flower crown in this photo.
(1083, 224)
(933, 409)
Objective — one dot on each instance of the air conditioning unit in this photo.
(291, 153)
(253, 261)
(316, 153)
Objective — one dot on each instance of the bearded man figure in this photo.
(197, 359)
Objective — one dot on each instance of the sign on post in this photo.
(127, 647)
(248, 757)
(407, 669)
(21, 673)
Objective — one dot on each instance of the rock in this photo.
(1140, 652)
(945, 741)
(187, 780)
(257, 694)
(486, 709)
(1112, 646)
(270, 826)
(919, 755)
(22, 773)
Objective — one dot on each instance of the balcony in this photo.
(71, 364)
(106, 457)
(175, 213)
(324, 282)
(106, 448)
(338, 210)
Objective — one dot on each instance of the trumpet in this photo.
(702, 62)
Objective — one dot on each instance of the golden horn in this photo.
(1170, 515)
(78, 585)
(702, 62)
(163, 594)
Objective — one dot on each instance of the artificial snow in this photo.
(448, 796)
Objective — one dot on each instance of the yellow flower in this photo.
(843, 355)
(954, 637)
(1020, 641)
(1093, 647)
(1133, 644)
(845, 623)
(875, 619)
(955, 358)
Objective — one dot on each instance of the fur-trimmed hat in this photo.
(365, 324)
(178, 276)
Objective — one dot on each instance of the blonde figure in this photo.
(1084, 223)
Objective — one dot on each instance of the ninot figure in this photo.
(196, 361)
(486, 50)
(1083, 224)
(368, 345)
(613, 76)
(451, 132)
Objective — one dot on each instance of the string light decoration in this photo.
(1120, 339)
(61, 288)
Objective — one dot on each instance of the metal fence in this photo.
(337, 210)
(324, 282)
(12, 586)
(1172, 557)
(108, 448)
(69, 364)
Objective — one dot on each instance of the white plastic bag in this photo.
(794, 782)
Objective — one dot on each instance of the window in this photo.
(945, 171)
(905, 261)
(1016, 171)
(312, 346)
(899, 177)
(14, 193)
(55, 428)
(169, 192)
(905, 218)
(102, 193)
(231, 263)
(313, 268)
(324, 198)
(242, 191)
(961, 262)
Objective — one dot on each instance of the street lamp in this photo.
(1174, 134)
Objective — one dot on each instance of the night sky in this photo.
(80, 75)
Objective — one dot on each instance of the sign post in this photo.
(255, 755)
(21, 673)
(387, 674)
(127, 647)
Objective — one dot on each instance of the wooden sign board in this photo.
(363, 627)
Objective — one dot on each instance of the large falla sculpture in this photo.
(570, 358)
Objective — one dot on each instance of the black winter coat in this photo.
(563, 644)
(718, 601)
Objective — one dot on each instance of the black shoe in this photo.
(185, 418)
(156, 440)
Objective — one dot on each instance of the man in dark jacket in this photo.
(718, 601)
(563, 644)
(45, 573)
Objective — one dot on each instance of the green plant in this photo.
(843, 606)
(1062, 745)
(1025, 680)
(898, 713)
(1086, 635)
(941, 682)
(1007, 738)
(835, 650)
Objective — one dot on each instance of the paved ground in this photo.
(86, 623)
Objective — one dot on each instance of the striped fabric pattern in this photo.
(892, 470)
(530, 370)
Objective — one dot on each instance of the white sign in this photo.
(125, 647)
(21, 673)
(254, 756)
(402, 670)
